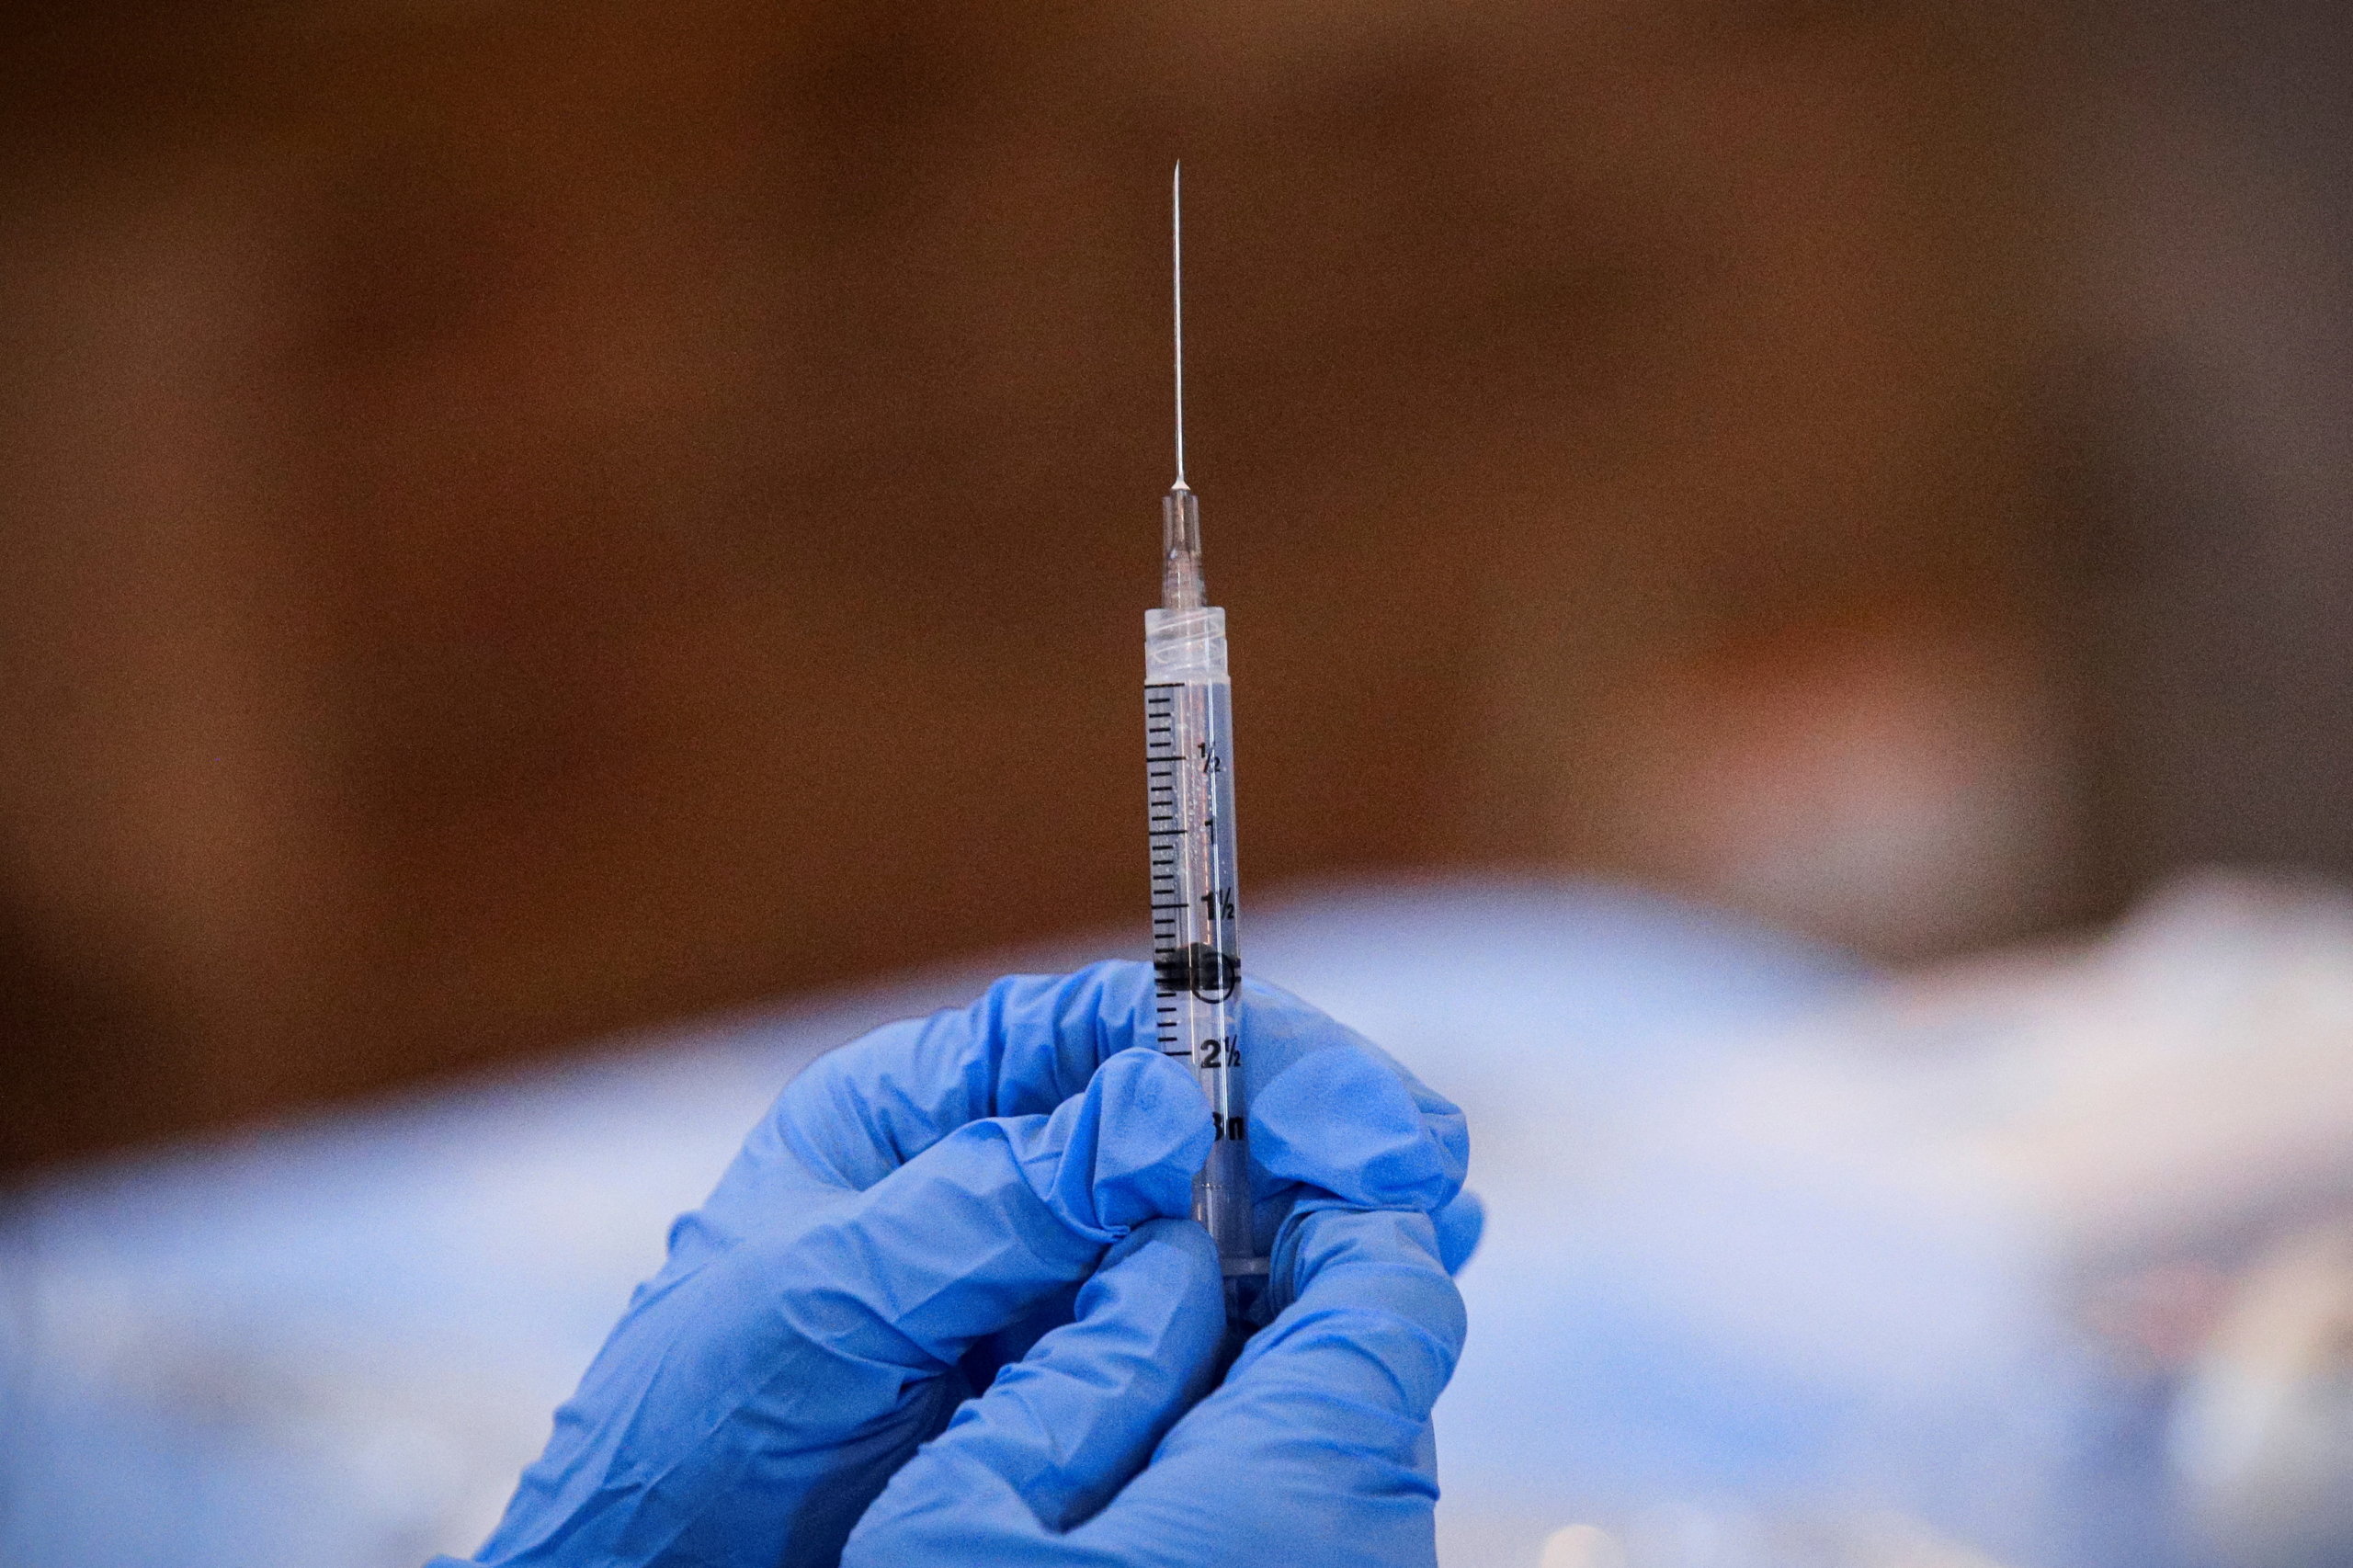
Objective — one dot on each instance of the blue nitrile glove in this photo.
(918, 1207)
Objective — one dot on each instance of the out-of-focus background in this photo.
(518, 524)
(526, 521)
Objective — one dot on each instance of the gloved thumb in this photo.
(1059, 1432)
(973, 1232)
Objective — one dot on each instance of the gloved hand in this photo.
(925, 1203)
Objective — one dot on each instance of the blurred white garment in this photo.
(2046, 1250)
(1786, 1266)
(334, 1346)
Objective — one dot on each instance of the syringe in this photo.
(1189, 762)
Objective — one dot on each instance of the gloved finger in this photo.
(859, 1113)
(1460, 1225)
(1331, 1400)
(1330, 1109)
(977, 1230)
(834, 1337)
(1060, 1432)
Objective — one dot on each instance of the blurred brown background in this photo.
(525, 521)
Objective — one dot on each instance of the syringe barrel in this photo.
(1188, 751)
